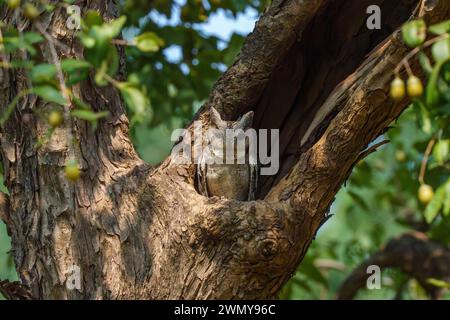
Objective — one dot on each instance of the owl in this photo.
(236, 180)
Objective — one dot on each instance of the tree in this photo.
(138, 231)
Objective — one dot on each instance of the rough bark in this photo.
(412, 253)
(309, 68)
(15, 290)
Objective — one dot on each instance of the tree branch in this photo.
(412, 253)
(341, 127)
(364, 110)
(357, 111)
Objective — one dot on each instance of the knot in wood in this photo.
(268, 248)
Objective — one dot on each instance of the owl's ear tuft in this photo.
(216, 119)
(245, 121)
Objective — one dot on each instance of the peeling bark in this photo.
(309, 68)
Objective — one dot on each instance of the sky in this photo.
(220, 24)
(224, 26)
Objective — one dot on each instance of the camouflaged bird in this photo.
(232, 181)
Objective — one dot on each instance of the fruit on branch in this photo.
(426, 193)
(414, 87)
(397, 89)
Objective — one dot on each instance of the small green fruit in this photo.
(13, 4)
(397, 89)
(400, 155)
(55, 118)
(415, 87)
(72, 171)
(426, 193)
(30, 11)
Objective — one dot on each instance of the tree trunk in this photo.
(310, 68)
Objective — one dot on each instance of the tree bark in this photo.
(310, 68)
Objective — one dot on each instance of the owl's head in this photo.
(243, 123)
(225, 134)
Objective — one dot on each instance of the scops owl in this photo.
(237, 180)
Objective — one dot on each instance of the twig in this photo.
(408, 68)
(425, 158)
(55, 61)
(416, 50)
(371, 150)
(330, 264)
(62, 84)
(111, 80)
(121, 42)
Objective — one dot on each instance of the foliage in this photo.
(383, 196)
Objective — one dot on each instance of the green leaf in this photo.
(136, 100)
(87, 41)
(113, 61)
(111, 58)
(111, 29)
(446, 209)
(440, 28)
(100, 74)
(433, 208)
(78, 70)
(77, 77)
(148, 42)
(446, 73)
(81, 104)
(441, 151)
(414, 33)
(438, 283)
(441, 50)
(89, 115)
(48, 7)
(22, 64)
(423, 115)
(43, 73)
(425, 63)
(12, 43)
(31, 37)
(50, 94)
(92, 18)
(108, 66)
(97, 41)
(71, 65)
(432, 93)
